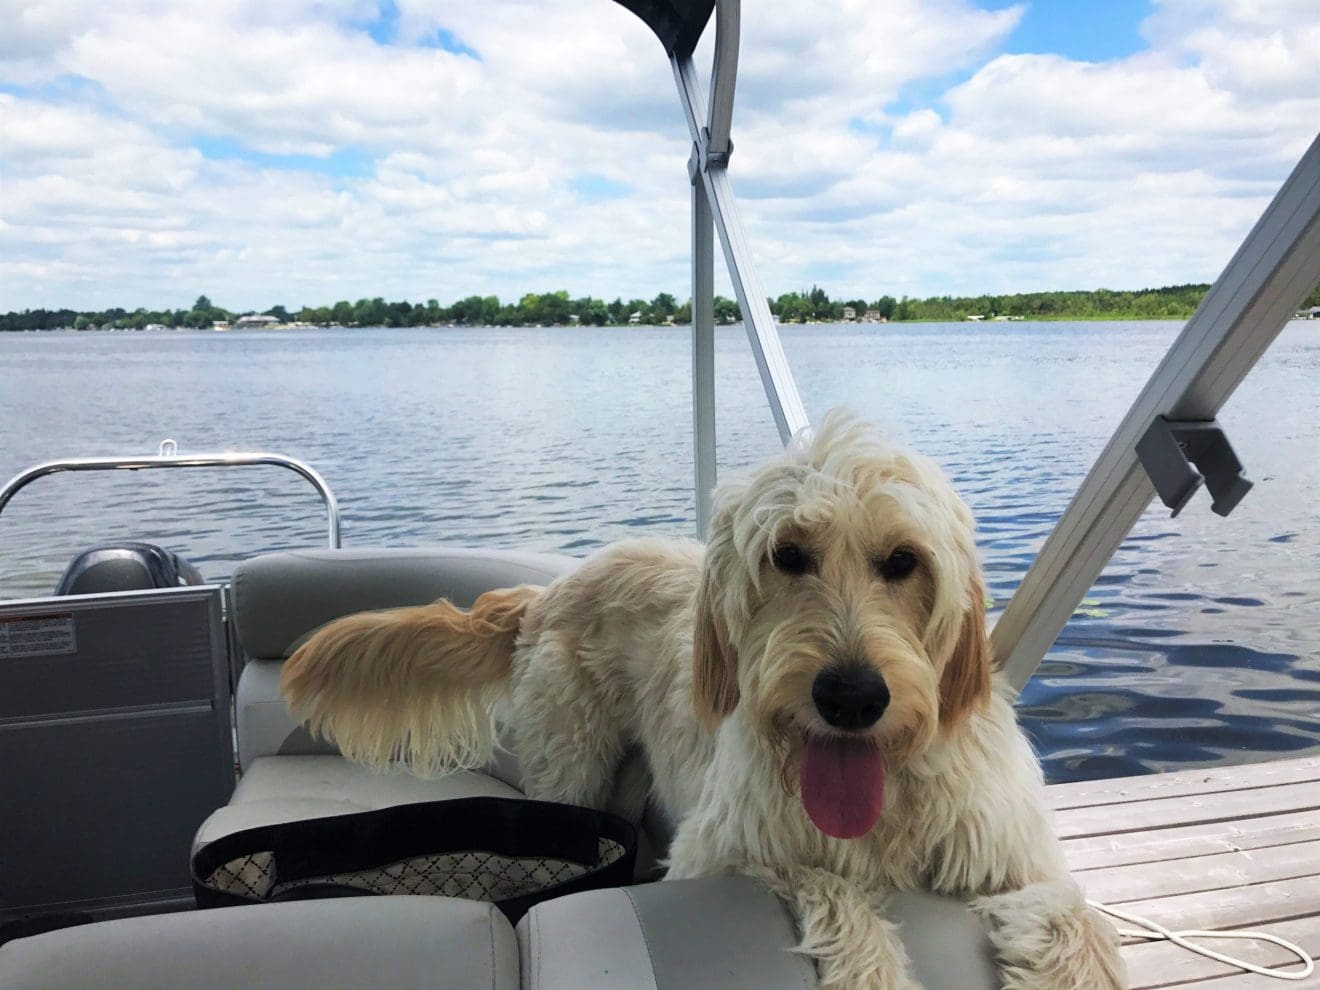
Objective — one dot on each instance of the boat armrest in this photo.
(725, 933)
(346, 944)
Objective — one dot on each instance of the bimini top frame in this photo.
(1169, 428)
(679, 24)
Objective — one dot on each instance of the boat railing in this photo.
(169, 457)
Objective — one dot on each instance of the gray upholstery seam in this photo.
(796, 928)
(646, 941)
(534, 929)
(237, 585)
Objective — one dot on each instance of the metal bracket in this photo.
(703, 159)
(1170, 448)
(715, 159)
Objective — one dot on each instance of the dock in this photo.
(1234, 847)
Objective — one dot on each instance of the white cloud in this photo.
(422, 172)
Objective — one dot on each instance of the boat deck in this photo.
(1237, 847)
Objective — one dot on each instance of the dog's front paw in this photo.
(1046, 937)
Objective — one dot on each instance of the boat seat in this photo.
(715, 933)
(277, 789)
(280, 599)
(404, 943)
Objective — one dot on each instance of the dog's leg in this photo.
(570, 732)
(843, 929)
(1045, 937)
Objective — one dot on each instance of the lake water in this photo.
(1198, 646)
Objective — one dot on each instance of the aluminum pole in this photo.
(703, 350)
(1277, 265)
(776, 377)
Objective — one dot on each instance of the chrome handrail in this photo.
(172, 460)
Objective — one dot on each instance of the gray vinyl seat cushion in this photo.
(403, 943)
(723, 933)
(278, 789)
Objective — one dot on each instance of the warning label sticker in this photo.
(37, 635)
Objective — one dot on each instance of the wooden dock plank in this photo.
(1154, 813)
(1188, 841)
(1121, 790)
(1186, 876)
(1255, 904)
(1232, 847)
(1251, 981)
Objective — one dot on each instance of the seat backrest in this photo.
(280, 599)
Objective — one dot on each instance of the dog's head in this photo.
(841, 603)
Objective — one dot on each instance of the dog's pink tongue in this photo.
(843, 786)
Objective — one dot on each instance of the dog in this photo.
(813, 691)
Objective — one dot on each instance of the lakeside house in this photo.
(849, 314)
(257, 321)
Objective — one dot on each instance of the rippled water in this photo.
(1198, 646)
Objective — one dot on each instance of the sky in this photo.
(307, 151)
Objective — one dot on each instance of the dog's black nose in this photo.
(850, 697)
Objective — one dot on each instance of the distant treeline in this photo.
(559, 309)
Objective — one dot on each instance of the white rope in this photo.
(1150, 929)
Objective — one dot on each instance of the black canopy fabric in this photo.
(677, 23)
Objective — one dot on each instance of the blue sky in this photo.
(1088, 30)
(324, 149)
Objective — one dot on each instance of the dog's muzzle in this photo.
(850, 696)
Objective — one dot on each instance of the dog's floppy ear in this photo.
(714, 660)
(965, 682)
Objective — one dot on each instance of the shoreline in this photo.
(288, 327)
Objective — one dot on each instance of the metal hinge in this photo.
(1181, 454)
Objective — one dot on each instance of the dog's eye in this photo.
(897, 565)
(790, 558)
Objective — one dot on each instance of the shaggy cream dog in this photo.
(813, 691)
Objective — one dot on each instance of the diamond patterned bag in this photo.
(510, 852)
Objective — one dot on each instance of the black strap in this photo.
(320, 847)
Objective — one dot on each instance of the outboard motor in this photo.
(126, 567)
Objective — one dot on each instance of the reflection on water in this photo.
(1197, 646)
